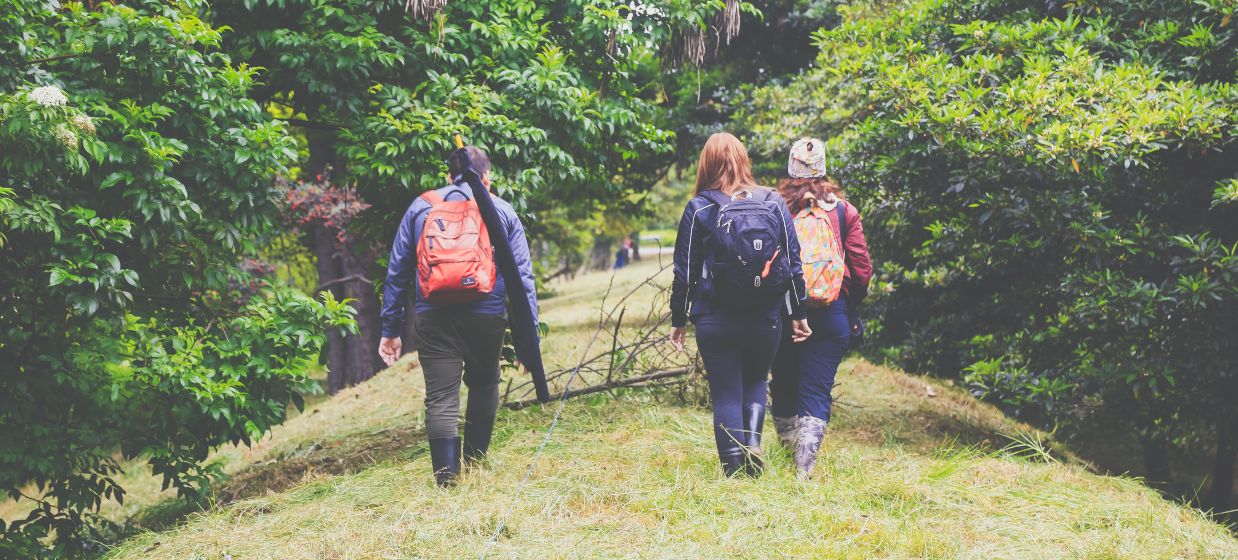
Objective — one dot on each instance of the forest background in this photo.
(196, 197)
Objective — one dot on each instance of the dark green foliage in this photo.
(538, 85)
(134, 174)
(1048, 189)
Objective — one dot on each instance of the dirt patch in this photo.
(343, 456)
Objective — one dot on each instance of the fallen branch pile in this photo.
(643, 358)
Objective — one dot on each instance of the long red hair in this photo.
(724, 165)
(794, 190)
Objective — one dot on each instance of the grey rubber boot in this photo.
(812, 431)
(788, 428)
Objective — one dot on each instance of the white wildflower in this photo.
(48, 96)
(84, 123)
(66, 136)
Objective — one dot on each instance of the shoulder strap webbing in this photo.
(432, 197)
(842, 228)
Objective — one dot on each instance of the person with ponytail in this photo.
(737, 277)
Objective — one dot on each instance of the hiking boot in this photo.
(445, 458)
(812, 431)
(788, 429)
(477, 432)
(754, 424)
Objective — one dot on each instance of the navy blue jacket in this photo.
(402, 268)
(698, 225)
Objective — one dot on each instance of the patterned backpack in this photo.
(821, 252)
(455, 261)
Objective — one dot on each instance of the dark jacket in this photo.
(402, 268)
(697, 226)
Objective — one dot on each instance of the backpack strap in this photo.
(432, 197)
(841, 208)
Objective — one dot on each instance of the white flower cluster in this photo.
(66, 136)
(48, 96)
(84, 123)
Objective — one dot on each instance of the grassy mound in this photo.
(911, 468)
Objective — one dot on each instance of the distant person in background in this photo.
(837, 271)
(621, 256)
(737, 275)
(442, 250)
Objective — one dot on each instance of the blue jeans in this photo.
(737, 349)
(804, 372)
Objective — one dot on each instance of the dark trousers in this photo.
(451, 346)
(737, 350)
(804, 372)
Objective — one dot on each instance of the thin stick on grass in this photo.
(627, 382)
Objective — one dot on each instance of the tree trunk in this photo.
(324, 241)
(351, 358)
(1155, 460)
(1221, 491)
(362, 347)
(600, 257)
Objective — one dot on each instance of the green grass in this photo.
(912, 468)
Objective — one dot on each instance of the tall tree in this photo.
(135, 173)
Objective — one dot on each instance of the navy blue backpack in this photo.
(747, 257)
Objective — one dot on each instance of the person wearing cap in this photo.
(803, 374)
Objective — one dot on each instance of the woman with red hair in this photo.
(837, 271)
(737, 276)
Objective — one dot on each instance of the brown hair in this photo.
(724, 165)
(477, 157)
(793, 190)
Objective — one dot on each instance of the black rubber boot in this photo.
(732, 458)
(477, 432)
(445, 457)
(754, 423)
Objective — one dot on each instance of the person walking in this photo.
(737, 273)
(442, 249)
(837, 270)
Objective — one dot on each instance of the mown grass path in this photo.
(912, 468)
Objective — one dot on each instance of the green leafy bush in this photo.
(135, 173)
(1048, 189)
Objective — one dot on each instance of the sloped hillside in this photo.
(913, 469)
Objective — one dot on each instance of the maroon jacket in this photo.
(859, 267)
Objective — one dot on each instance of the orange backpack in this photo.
(455, 260)
(822, 255)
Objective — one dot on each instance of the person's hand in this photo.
(389, 349)
(678, 336)
(800, 331)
